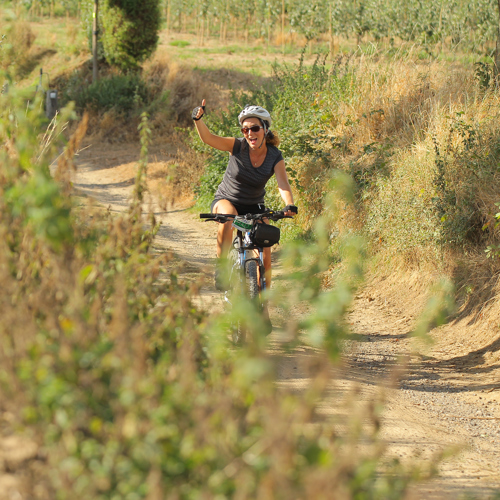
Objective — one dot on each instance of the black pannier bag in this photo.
(265, 235)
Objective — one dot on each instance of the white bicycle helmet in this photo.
(255, 112)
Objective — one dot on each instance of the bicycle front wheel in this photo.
(252, 279)
(254, 291)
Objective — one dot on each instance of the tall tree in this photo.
(130, 31)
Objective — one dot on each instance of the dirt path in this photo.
(436, 404)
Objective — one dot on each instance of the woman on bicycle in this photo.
(254, 159)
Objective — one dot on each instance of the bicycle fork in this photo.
(239, 269)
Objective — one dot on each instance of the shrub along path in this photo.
(438, 402)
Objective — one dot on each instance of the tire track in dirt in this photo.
(417, 417)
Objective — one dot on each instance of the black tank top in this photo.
(242, 182)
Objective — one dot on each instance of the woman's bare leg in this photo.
(224, 231)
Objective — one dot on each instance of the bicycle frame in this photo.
(248, 273)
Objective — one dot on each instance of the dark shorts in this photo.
(258, 208)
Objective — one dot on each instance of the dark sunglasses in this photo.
(254, 129)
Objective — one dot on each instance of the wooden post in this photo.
(94, 41)
(226, 15)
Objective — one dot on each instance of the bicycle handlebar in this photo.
(273, 215)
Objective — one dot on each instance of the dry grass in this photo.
(184, 86)
(174, 169)
(402, 112)
(17, 45)
(411, 95)
(427, 106)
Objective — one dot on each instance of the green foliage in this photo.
(121, 92)
(130, 31)
(86, 18)
(134, 392)
(310, 19)
(456, 23)
(304, 101)
(32, 200)
(493, 251)
(484, 74)
(308, 261)
(145, 137)
(454, 201)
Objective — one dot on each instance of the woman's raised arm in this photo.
(217, 142)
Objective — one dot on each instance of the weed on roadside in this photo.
(127, 387)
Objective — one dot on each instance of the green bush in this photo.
(121, 92)
(411, 223)
(130, 31)
(466, 168)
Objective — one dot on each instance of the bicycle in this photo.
(247, 271)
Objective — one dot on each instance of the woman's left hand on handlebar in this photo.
(290, 210)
